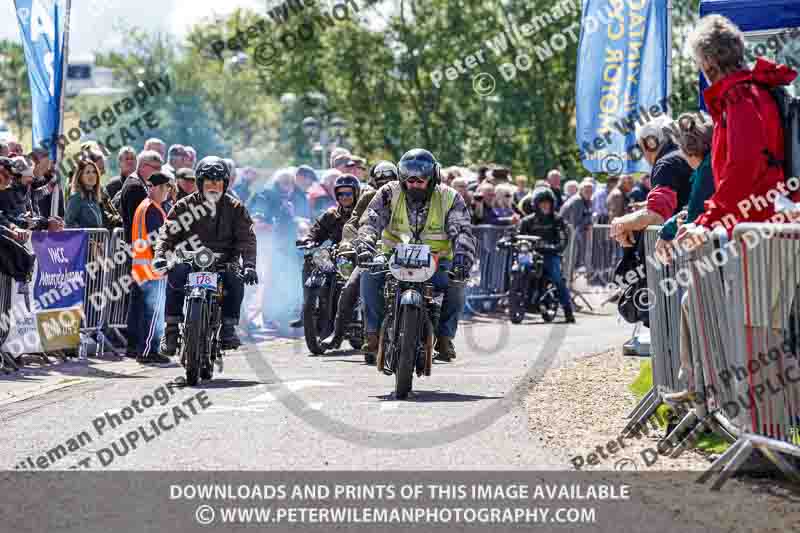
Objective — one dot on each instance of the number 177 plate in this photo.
(413, 255)
(205, 280)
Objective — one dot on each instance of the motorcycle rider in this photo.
(223, 225)
(418, 207)
(555, 233)
(380, 174)
(330, 224)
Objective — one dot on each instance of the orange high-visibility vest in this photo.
(142, 264)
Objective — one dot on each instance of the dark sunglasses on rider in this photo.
(345, 194)
(413, 180)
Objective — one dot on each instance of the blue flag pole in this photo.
(55, 196)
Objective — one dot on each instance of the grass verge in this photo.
(708, 442)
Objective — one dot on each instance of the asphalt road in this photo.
(276, 408)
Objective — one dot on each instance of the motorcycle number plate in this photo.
(204, 280)
(525, 258)
(413, 255)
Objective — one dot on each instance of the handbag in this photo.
(634, 302)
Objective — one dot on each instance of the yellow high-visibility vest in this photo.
(433, 234)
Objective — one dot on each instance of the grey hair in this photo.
(154, 140)
(172, 151)
(126, 150)
(693, 133)
(148, 156)
(719, 42)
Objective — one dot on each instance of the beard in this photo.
(212, 197)
(417, 195)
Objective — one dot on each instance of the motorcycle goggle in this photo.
(416, 180)
(344, 194)
(215, 173)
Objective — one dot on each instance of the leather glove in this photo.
(160, 263)
(462, 266)
(250, 276)
(364, 253)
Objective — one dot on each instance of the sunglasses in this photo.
(416, 180)
(344, 194)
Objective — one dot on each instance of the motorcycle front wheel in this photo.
(316, 321)
(193, 340)
(407, 354)
(548, 303)
(516, 300)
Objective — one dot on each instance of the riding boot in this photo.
(370, 348)
(446, 349)
(298, 323)
(230, 341)
(169, 343)
(334, 340)
(569, 316)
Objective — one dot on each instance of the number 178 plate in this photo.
(206, 280)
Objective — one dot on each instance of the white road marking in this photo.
(293, 386)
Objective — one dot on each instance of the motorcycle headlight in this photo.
(204, 259)
(322, 259)
(345, 267)
(524, 247)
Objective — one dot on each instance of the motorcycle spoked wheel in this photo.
(408, 339)
(516, 301)
(214, 351)
(316, 322)
(548, 303)
(356, 340)
(193, 338)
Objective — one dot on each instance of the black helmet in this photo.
(541, 194)
(214, 169)
(419, 163)
(383, 172)
(348, 180)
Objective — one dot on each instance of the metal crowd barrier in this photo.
(7, 362)
(491, 283)
(664, 294)
(603, 256)
(94, 283)
(118, 307)
(747, 341)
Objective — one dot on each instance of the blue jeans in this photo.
(453, 306)
(146, 317)
(552, 269)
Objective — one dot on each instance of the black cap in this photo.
(159, 178)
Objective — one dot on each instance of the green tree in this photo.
(15, 94)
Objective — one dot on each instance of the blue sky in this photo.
(92, 21)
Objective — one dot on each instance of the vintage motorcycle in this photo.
(529, 290)
(201, 330)
(413, 309)
(330, 268)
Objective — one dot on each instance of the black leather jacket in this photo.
(551, 228)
